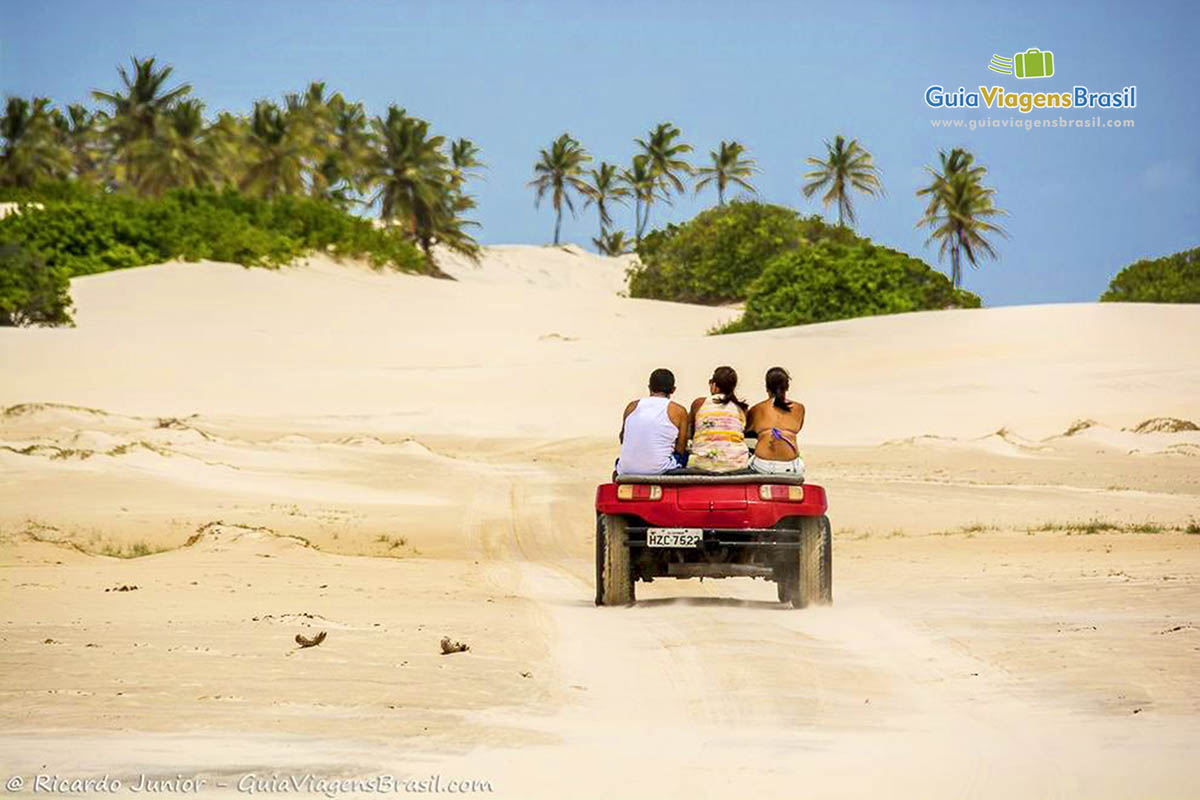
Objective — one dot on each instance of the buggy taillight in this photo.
(638, 491)
(774, 491)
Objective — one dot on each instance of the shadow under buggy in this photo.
(713, 526)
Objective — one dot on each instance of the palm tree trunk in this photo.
(956, 266)
(720, 193)
(557, 222)
(637, 219)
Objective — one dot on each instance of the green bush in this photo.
(32, 293)
(714, 257)
(1170, 279)
(789, 270)
(89, 232)
(833, 280)
(51, 190)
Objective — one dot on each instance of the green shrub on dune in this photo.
(32, 293)
(1170, 279)
(832, 281)
(99, 232)
(713, 257)
(62, 231)
(788, 269)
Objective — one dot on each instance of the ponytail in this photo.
(725, 379)
(778, 382)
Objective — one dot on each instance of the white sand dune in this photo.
(393, 459)
(398, 353)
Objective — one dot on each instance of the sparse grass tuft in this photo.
(968, 530)
(132, 550)
(1094, 526)
(392, 542)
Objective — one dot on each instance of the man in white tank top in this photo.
(654, 430)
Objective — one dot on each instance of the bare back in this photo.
(777, 430)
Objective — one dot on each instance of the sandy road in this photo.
(994, 665)
(714, 689)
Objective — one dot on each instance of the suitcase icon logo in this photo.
(1033, 63)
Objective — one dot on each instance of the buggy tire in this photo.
(614, 574)
(785, 580)
(826, 562)
(814, 567)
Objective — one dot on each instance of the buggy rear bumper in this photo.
(723, 509)
(778, 538)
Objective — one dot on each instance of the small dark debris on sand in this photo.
(526, 674)
(268, 617)
(49, 641)
(449, 647)
(304, 641)
(123, 588)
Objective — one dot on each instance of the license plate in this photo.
(673, 537)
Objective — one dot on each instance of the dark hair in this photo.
(778, 381)
(725, 379)
(662, 380)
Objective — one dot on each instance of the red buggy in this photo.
(713, 526)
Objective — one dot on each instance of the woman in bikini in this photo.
(777, 422)
(718, 425)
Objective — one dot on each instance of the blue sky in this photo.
(778, 76)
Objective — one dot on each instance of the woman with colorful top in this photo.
(777, 422)
(718, 425)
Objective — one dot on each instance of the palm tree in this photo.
(80, 128)
(960, 210)
(664, 163)
(558, 171)
(846, 166)
(728, 166)
(277, 147)
(228, 135)
(606, 186)
(644, 187)
(664, 155)
(409, 167)
(311, 118)
(340, 175)
(612, 243)
(182, 155)
(137, 108)
(32, 151)
(415, 185)
(464, 158)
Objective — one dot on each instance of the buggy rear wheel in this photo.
(614, 576)
(785, 579)
(809, 577)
